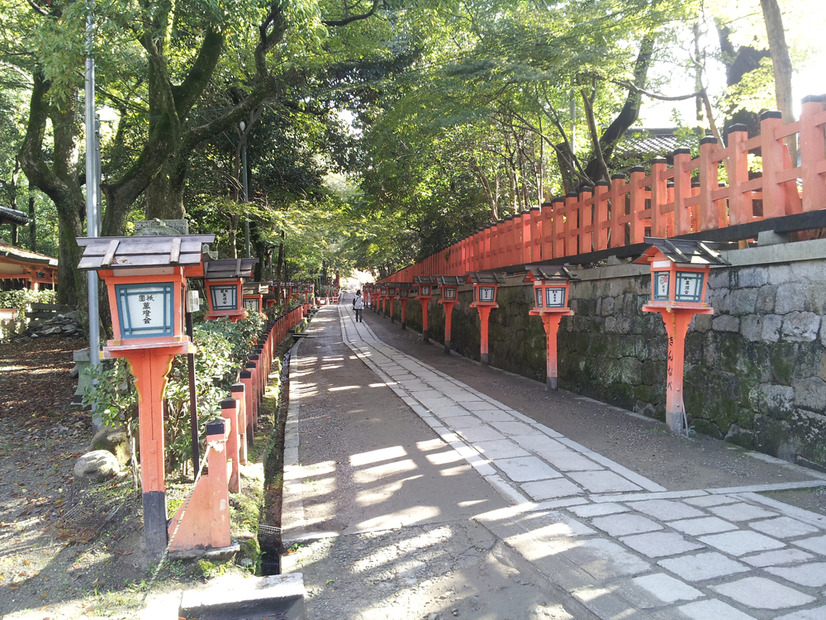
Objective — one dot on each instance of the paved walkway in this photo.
(573, 533)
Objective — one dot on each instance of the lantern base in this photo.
(154, 521)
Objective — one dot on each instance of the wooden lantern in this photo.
(679, 282)
(450, 297)
(425, 286)
(224, 280)
(551, 287)
(146, 280)
(485, 287)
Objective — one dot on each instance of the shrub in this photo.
(21, 300)
(222, 350)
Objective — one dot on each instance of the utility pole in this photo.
(92, 181)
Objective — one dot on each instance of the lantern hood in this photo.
(450, 280)
(485, 277)
(151, 252)
(229, 268)
(680, 251)
(543, 274)
(425, 280)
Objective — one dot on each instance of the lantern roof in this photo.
(424, 280)
(403, 284)
(256, 288)
(485, 277)
(136, 252)
(229, 268)
(545, 273)
(450, 280)
(681, 251)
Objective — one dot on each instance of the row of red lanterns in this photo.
(679, 284)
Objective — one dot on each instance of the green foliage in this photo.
(21, 300)
(111, 391)
(222, 349)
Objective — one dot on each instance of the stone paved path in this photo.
(622, 545)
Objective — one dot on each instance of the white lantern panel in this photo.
(554, 297)
(486, 293)
(449, 292)
(538, 293)
(145, 310)
(689, 286)
(661, 279)
(224, 297)
(252, 304)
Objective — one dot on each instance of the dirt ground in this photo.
(66, 550)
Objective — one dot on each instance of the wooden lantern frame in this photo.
(551, 295)
(485, 289)
(227, 275)
(132, 266)
(450, 297)
(676, 262)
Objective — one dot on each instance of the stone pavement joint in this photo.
(619, 543)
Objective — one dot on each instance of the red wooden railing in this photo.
(687, 197)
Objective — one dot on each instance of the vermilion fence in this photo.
(749, 180)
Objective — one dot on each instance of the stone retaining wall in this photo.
(755, 370)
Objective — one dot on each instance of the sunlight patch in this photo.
(374, 456)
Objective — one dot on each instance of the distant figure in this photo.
(358, 306)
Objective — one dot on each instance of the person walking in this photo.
(358, 306)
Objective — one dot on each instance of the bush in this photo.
(21, 300)
(223, 348)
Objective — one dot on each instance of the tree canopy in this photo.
(375, 131)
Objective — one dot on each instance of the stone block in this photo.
(771, 327)
(765, 299)
(703, 566)
(775, 400)
(790, 297)
(719, 279)
(702, 323)
(801, 326)
(725, 323)
(816, 298)
(743, 301)
(720, 300)
(762, 593)
(750, 277)
(807, 271)
(751, 328)
(780, 274)
(810, 394)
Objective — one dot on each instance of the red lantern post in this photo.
(391, 298)
(485, 286)
(403, 291)
(254, 295)
(450, 297)
(224, 281)
(424, 293)
(146, 281)
(679, 281)
(551, 287)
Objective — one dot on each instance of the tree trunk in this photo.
(32, 225)
(165, 194)
(782, 65)
(56, 176)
